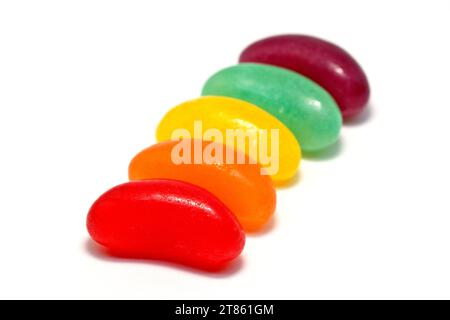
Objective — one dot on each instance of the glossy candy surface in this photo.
(304, 107)
(325, 63)
(166, 220)
(224, 113)
(241, 187)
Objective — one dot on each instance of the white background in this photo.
(84, 83)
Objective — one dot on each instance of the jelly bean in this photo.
(323, 62)
(241, 187)
(303, 106)
(166, 220)
(282, 156)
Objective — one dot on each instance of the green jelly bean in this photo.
(303, 106)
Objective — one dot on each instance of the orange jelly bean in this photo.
(241, 186)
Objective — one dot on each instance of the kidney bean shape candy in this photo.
(321, 61)
(303, 106)
(223, 114)
(166, 220)
(241, 187)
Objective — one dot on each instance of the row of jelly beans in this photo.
(196, 214)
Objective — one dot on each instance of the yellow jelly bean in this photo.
(237, 124)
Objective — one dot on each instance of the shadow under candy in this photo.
(365, 116)
(290, 182)
(327, 153)
(268, 228)
(104, 254)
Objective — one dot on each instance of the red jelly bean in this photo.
(166, 220)
(321, 61)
